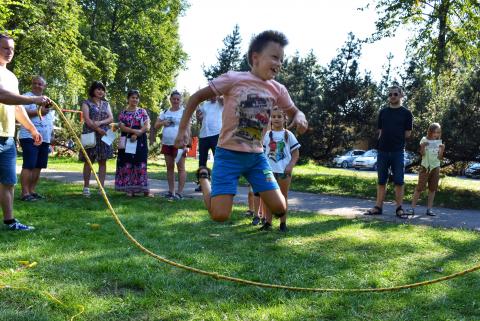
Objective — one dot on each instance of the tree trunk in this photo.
(442, 14)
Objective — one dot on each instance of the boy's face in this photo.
(268, 62)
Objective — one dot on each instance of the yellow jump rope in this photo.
(226, 277)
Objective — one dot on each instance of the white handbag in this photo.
(88, 140)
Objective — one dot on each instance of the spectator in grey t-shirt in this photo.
(35, 157)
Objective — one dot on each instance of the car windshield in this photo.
(475, 166)
(358, 152)
(370, 153)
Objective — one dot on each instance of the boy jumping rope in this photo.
(248, 101)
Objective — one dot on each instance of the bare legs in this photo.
(102, 173)
(182, 174)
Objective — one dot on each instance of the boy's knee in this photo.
(219, 216)
(279, 210)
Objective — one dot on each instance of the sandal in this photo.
(376, 210)
(400, 213)
(203, 172)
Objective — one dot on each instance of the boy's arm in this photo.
(299, 121)
(183, 136)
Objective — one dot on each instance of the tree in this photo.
(461, 121)
(228, 58)
(47, 34)
(302, 77)
(445, 29)
(349, 101)
(141, 37)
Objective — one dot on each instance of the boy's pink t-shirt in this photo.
(248, 102)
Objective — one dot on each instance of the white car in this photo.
(367, 160)
(346, 160)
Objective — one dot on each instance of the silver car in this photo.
(346, 160)
(367, 160)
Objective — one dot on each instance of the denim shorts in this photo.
(393, 161)
(34, 156)
(229, 165)
(8, 159)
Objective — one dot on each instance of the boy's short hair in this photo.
(396, 87)
(260, 41)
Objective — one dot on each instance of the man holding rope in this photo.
(11, 110)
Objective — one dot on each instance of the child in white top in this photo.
(282, 151)
(431, 149)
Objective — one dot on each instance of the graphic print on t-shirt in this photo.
(253, 112)
(276, 150)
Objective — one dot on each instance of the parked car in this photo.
(409, 158)
(346, 160)
(367, 160)
(473, 170)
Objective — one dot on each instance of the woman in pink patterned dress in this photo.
(131, 175)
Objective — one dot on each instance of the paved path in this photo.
(320, 203)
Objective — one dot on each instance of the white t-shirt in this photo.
(212, 119)
(170, 132)
(44, 126)
(279, 151)
(9, 82)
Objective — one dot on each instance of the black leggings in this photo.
(205, 145)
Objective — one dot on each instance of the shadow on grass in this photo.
(318, 251)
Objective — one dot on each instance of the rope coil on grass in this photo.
(218, 276)
(240, 280)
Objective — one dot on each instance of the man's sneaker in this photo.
(283, 227)
(255, 220)
(86, 192)
(264, 220)
(17, 226)
(266, 227)
(198, 188)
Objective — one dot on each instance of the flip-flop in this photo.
(400, 213)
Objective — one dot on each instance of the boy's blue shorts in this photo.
(228, 165)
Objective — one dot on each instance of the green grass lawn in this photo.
(453, 192)
(101, 270)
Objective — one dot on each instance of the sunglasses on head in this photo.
(392, 94)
